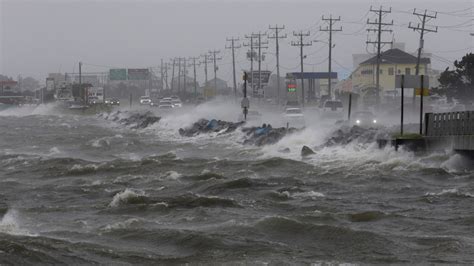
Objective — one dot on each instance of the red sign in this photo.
(291, 86)
(8, 83)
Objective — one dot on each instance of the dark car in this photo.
(364, 118)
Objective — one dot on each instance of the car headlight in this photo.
(375, 121)
(358, 121)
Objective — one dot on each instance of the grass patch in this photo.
(407, 136)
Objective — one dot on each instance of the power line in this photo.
(260, 46)
(214, 58)
(331, 21)
(233, 47)
(194, 71)
(277, 49)
(424, 17)
(379, 23)
(205, 62)
(301, 44)
(250, 55)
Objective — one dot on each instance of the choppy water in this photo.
(81, 190)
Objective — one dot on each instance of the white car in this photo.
(177, 103)
(294, 117)
(333, 109)
(165, 105)
(145, 100)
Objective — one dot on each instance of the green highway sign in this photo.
(118, 74)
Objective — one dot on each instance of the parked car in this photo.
(145, 100)
(294, 117)
(333, 109)
(177, 103)
(112, 101)
(164, 104)
(94, 100)
(333, 105)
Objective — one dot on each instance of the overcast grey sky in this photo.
(40, 36)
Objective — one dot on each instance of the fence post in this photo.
(427, 124)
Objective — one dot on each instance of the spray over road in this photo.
(84, 189)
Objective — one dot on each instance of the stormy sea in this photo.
(106, 189)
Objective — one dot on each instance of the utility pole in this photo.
(259, 46)
(206, 60)
(379, 23)
(162, 75)
(251, 56)
(166, 76)
(214, 59)
(184, 76)
(331, 21)
(424, 17)
(179, 75)
(80, 73)
(301, 44)
(233, 46)
(172, 75)
(194, 70)
(277, 48)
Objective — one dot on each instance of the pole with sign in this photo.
(402, 85)
(245, 104)
(420, 84)
(350, 107)
(421, 102)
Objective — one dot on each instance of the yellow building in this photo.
(393, 62)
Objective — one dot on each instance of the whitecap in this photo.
(127, 224)
(450, 191)
(171, 175)
(126, 196)
(309, 194)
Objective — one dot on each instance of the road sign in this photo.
(411, 81)
(138, 74)
(426, 92)
(264, 77)
(49, 84)
(118, 74)
(291, 87)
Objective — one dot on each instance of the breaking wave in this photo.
(128, 196)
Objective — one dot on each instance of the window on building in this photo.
(380, 71)
(366, 72)
(407, 71)
(390, 71)
(399, 72)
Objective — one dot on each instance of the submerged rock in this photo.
(209, 126)
(306, 151)
(347, 134)
(261, 136)
(133, 120)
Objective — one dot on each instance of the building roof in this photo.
(395, 56)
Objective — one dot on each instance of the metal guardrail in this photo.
(449, 124)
